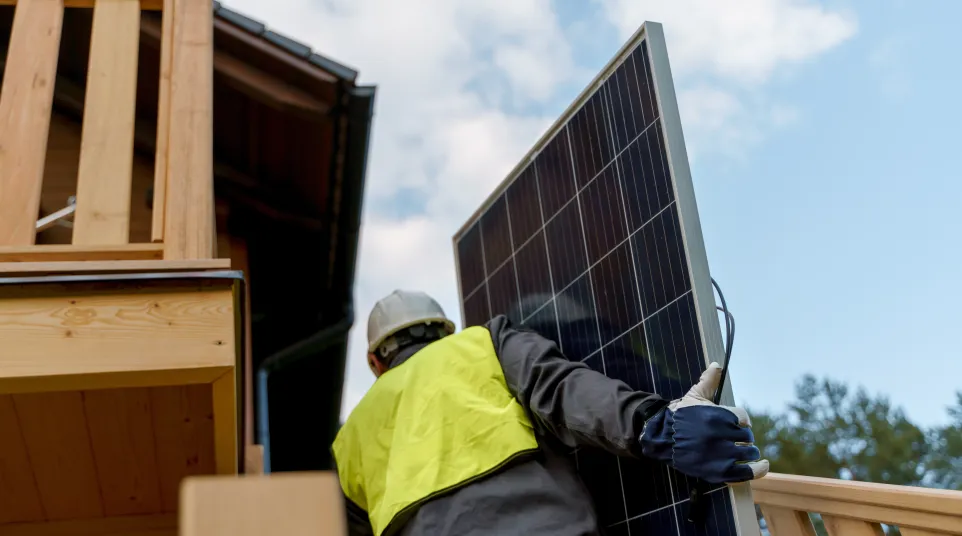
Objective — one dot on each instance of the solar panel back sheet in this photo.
(594, 241)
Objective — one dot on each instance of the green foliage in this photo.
(828, 431)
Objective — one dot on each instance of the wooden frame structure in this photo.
(119, 362)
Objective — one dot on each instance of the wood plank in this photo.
(55, 432)
(153, 525)
(25, 104)
(112, 380)
(184, 437)
(841, 526)
(151, 5)
(888, 514)
(293, 504)
(72, 253)
(254, 459)
(786, 522)
(109, 267)
(122, 436)
(161, 143)
(19, 498)
(102, 334)
(909, 531)
(189, 218)
(907, 497)
(225, 424)
(104, 178)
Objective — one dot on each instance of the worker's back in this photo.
(441, 445)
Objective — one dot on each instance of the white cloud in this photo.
(743, 41)
(445, 67)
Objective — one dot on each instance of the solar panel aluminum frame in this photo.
(702, 291)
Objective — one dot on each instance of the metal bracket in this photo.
(60, 217)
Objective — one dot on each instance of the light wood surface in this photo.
(152, 5)
(25, 105)
(107, 147)
(292, 504)
(104, 267)
(72, 253)
(89, 340)
(162, 141)
(856, 508)
(189, 196)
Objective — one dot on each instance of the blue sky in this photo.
(822, 136)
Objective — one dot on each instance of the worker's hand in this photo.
(704, 440)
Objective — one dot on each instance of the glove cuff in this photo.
(656, 436)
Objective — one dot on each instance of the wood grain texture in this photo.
(786, 522)
(120, 422)
(71, 253)
(152, 5)
(161, 147)
(55, 431)
(107, 147)
(25, 105)
(293, 504)
(183, 420)
(841, 526)
(189, 197)
(153, 525)
(99, 334)
(19, 498)
(224, 392)
(105, 267)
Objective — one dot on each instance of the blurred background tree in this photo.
(831, 431)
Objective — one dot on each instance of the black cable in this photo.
(697, 508)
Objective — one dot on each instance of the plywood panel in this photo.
(106, 157)
(122, 435)
(25, 105)
(55, 432)
(130, 336)
(19, 499)
(184, 437)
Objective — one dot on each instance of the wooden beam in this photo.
(25, 105)
(109, 267)
(165, 37)
(189, 215)
(86, 339)
(107, 144)
(72, 253)
(226, 445)
(148, 5)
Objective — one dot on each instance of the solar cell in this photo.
(594, 241)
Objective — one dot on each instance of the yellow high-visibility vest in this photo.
(440, 420)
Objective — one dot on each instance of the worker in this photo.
(469, 433)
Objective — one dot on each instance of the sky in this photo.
(823, 139)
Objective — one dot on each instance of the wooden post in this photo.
(107, 146)
(189, 195)
(25, 105)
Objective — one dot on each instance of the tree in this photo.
(830, 432)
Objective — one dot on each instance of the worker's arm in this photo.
(569, 400)
(358, 522)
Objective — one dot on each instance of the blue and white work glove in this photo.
(704, 440)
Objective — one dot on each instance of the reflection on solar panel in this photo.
(594, 241)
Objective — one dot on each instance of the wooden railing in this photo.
(855, 508)
(183, 215)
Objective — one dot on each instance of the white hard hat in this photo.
(403, 309)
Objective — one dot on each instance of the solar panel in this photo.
(594, 241)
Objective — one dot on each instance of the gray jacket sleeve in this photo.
(569, 400)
